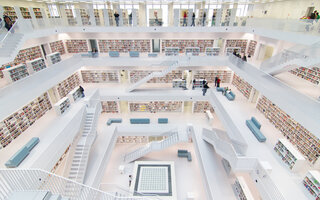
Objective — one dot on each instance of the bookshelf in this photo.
(36, 65)
(15, 73)
(111, 17)
(306, 142)
(27, 54)
(241, 189)
(289, 155)
(68, 85)
(97, 16)
(242, 44)
(225, 75)
(8, 10)
(179, 83)
(70, 17)
(55, 167)
(230, 50)
(74, 95)
(244, 87)
(62, 105)
(110, 106)
(100, 76)
(132, 139)
(171, 51)
(183, 44)
(137, 75)
(54, 58)
(212, 51)
(37, 13)
(156, 106)
(202, 107)
(197, 83)
(312, 75)
(25, 13)
(57, 46)
(84, 17)
(77, 46)
(195, 51)
(124, 46)
(18, 122)
(312, 183)
(252, 47)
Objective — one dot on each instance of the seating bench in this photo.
(114, 53)
(230, 96)
(134, 53)
(255, 129)
(114, 120)
(20, 155)
(221, 89)
(162, 120)
(152, 55)
(140, 121)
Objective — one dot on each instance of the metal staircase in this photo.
(82, 149)
(164, 72)
(152, 146)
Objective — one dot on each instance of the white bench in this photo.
(209, 116)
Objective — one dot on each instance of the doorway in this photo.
(156, 45)
(93, 44)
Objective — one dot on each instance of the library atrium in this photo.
(159, 100)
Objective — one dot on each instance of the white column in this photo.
(190, 11)
(105, 17)
(92, 19)
(176, 17)
(78, 17)
(233, 14)
(134, 17)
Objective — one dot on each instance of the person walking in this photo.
(184, 19)
(215, 81)
(218, 82)
(204, 19)
(204, 89)
(193, 19)
(116, 17)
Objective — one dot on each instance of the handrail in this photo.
(38, 179)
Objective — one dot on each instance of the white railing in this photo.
(152, 146)
(37, 179)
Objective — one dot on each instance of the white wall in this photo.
(285, 9)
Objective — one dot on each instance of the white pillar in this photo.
(190, 13)
(134, 17)
(78, 17)
(176, 17)
(105, 17)
(218, 17)
(92, 18)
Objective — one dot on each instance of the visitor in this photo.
(116, 17)
(184, 19)
(204, 81)
(156, 21)
(8, 22)
(204, 19)
(234, 52)
(82, 91)
(218, 82)
(130, 180)
(213, 19)
(193, 19)
(215, 81)
(225, 91)
(130, 19)
(244, 57)
(194, 82)
(204, 89)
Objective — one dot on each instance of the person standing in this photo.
(116, 17)
(204, 89)
(81, 90)
(130, 19)
(244, 57)
(130, 180)
(156, 20)
(218, 82)
(193, 19)
(213, 19)
(184, 19)
(8, 22)
(194, 82)
(215, 81)
(204, 19)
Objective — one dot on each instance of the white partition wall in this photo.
(176, 17)
(190, 11)
(134, 17)
(120, 17)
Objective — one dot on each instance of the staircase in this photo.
(152, 146)
(82, 149)
(164, 72)
(35, 195)
(10, 47)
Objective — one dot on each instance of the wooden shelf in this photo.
(110, 106)
(77, 46)
(242, 44)
(15, 73)
(244, 87)
(36, 65)
(25, 13)
(212, 51)
(9, 11)
(312, 75)
(137, 75)
(202, 107)
(18, 122)
(306, 142)
(252, 47)
(68, 85)
(210, 75)
(124, 46)
(54, 58)
(312, 183)
(100, 76)
(57, 46)
(183, 44)
(132, 139)
(62, 105)
(37, 13)
(156, 106)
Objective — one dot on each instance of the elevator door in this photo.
(156, 45)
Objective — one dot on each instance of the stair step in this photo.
(55, 197)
